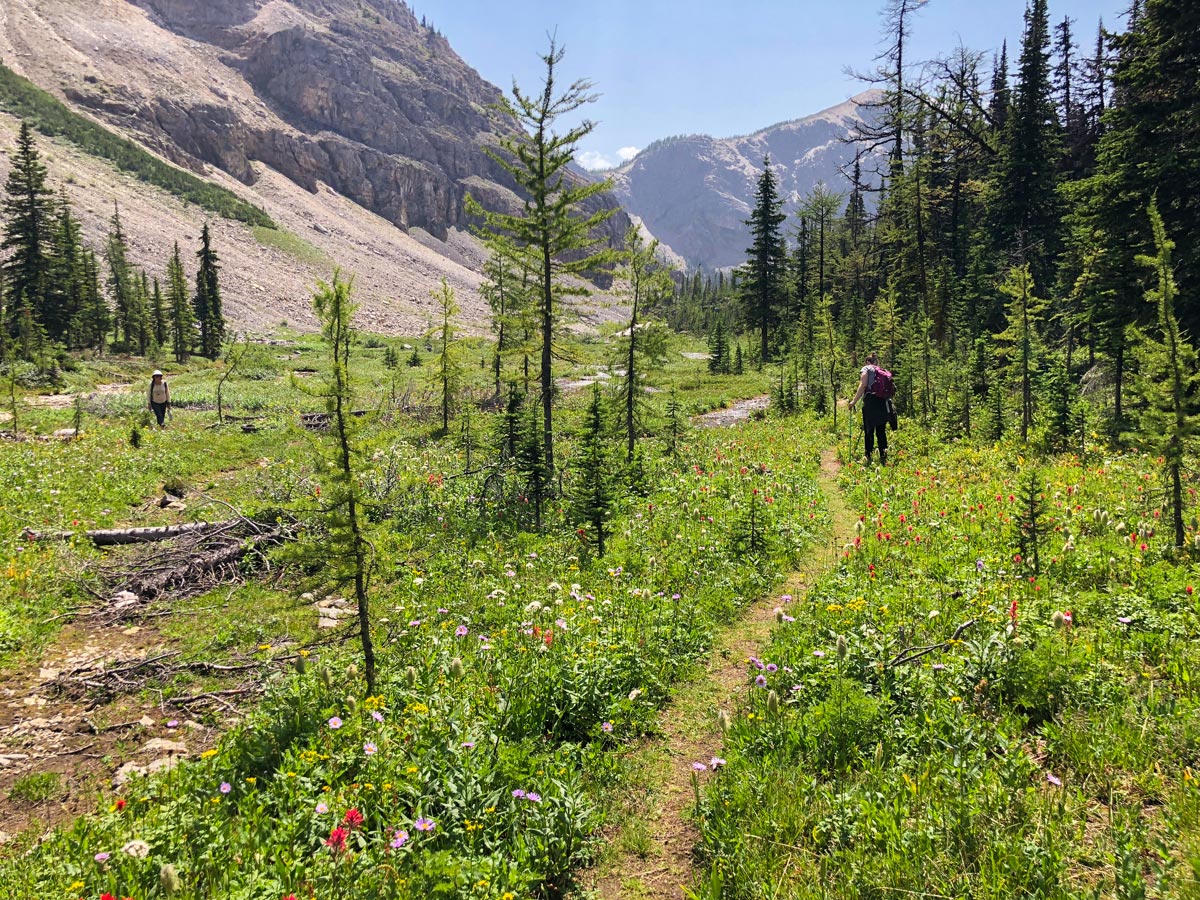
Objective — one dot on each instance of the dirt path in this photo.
(653, 849)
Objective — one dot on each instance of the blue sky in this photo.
(667, 67)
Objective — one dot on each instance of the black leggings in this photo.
(160, 411)
(874, 430)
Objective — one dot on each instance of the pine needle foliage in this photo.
(1167, 383)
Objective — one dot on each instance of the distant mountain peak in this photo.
(694, 192)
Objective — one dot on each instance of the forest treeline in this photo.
(987, 241)
(57, 294)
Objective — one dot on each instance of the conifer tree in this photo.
(1001, 94)
(158, 316)
(1149, 149)
(647, 283)
(95, 320)
(558, 236)
(28, 229)
(1020, 344)
(183, 324)
(447, 369)
(210, 317)
(1169, 380)
(762, 285)
(594, 494)
(531, 463)
(718, 349)
(65, 286)
(121, 287)
(1027, 211)
(348, 556)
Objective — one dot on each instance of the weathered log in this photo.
(110, 537)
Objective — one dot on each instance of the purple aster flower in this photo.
(226, 787)
(1054, 779)
(101, 857)
(606, 727)
(533, 798)
(796, 688)
(676, 596)
(423, 824)
(819, 654)
(1124, 620)
(174, 723)
(468, 745)
(716, 763)
(699, 767)
(979, 565)
(786, 598)
(771, 667)
(518, 794)
(937, 667)
(376, 715)
(461, 631)
(761, 681)
(414, 623)
(399, 839)
(335, 723)
(322, 809)
(443, 610)
(370, 749)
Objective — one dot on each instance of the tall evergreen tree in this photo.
(28, 232)
(121, 287)
(561, 239)
(1001, 94)
(210, 317)
(762, 285)
(65, 288)
(158, 316)
(1027, 211)
(594, 494)
(1151, 147)
(183, 323)
(94, 320)
(447, 368)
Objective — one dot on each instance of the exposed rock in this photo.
(124, 774)
(160, 745)
(694, 193)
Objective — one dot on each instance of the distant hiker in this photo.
(160, 396)
(875, 390)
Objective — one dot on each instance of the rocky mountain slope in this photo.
(353, 125)
(695, 192)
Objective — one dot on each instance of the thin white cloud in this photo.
(593, 161)
(627, 153)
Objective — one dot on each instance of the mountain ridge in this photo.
(694, 192)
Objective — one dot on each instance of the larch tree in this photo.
(1168, 381)
(552, 227)
(647, 283)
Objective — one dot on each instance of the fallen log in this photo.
(111, 537)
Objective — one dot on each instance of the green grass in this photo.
(37, 787)
(290, 243)
(51, 117)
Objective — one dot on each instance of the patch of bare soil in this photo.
(663, 864)
(66, 401)
(51, 723)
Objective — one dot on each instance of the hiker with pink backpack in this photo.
(876, 389)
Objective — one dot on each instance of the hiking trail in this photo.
(654, 843)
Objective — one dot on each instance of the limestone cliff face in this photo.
(355, 94)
